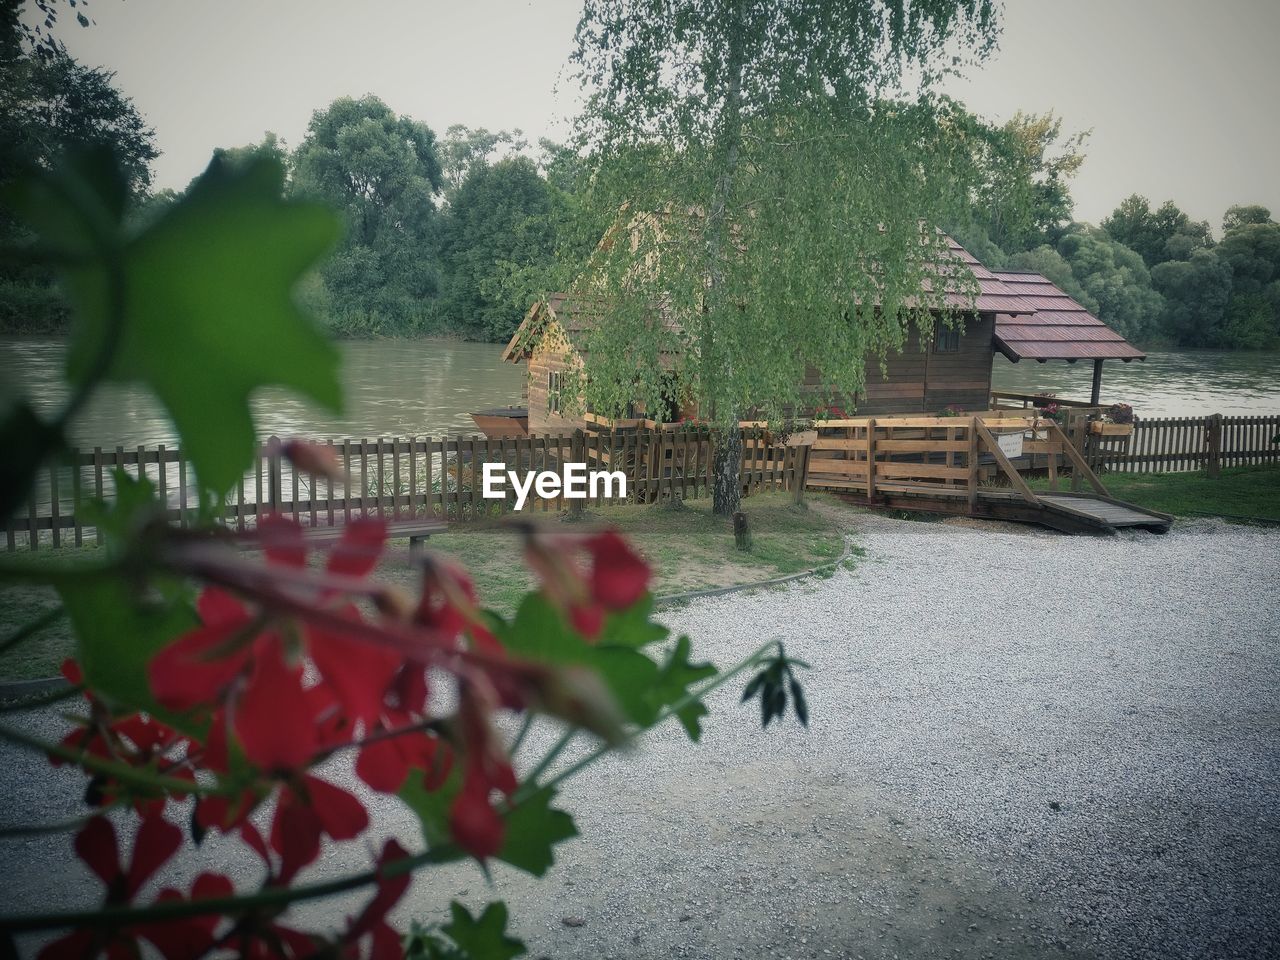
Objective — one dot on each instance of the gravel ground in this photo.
(1022, 745)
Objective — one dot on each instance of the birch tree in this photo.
(767, 167)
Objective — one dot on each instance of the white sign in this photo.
(1010, 444)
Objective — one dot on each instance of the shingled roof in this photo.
(1059, 328)
(1035, 320)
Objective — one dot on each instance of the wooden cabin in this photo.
(1021, 314)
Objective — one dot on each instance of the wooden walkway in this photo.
(936, 465)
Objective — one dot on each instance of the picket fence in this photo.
(399, 478)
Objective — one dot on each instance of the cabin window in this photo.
(946, 340)
(553, 391)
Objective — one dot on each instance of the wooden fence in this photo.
(401, 478)
(1179, 444)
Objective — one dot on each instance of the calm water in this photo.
(394, 388)
(424, 387)
(1190, 383)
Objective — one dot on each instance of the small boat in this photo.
(503, 422)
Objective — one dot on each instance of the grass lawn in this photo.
(1238, 492)
(688, 548)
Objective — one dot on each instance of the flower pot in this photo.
(1110, 429)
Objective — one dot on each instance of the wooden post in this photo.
(1096, 392)
(577, 454)
(871, 458)
(741, 533)
(800, 475)
(1213, 466)
(274, 484)
(973, 464)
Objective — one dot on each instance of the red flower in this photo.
(384, 763)
(157, 840)
(305, 813)
(384, 943)
(619, 577)
(273, 720)
(189, 937)
(198, 668)
(473, 822)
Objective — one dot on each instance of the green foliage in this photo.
(1243, 215)
(771, 685)
(52, 104)
(499, 220)
(1116, 278)
(197, 305)
(641, 686)
(466, 937)
(1024, 197)
(769, 192)
(1196, 292)
(1157, 236)
(1250, 323)
(465, 149)
(383, 172)
(533, 829)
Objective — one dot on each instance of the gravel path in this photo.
(1022, 745)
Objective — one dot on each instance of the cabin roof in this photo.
(994, 295)
(1034, 319)
(1059, 329)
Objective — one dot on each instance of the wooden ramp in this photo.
(1109, 515)
(932, 465)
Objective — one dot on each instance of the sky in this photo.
(1179, 94)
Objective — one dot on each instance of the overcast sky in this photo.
(1180, 94)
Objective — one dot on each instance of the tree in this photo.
(1116, 278)
(1196, 292)
(1160, 235)
(464, 148)
(500, 219)
(770, 194)
(50, 104)
(1239, 216)
(383, 172)
(1027, 167)
(1252, 248)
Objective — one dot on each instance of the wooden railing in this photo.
(909, 454)
(401, 478)
(1179, 444)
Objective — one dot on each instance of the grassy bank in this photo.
(688, 548)
(1238, 492)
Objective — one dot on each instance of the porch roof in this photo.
(1059, 329)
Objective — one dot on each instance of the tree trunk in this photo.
(727, 465)
(727, 492)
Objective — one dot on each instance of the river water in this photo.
(429, 388)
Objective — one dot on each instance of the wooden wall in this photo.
(914, 381)
(551, 355)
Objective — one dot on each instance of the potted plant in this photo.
(1117, 421)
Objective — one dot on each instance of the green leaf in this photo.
(540, 633)
(27, 442)
(673, 684)
(483, 938)
(432, 807)
(117, 633)
(633, 627)
(533, 829)
(207, 309)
